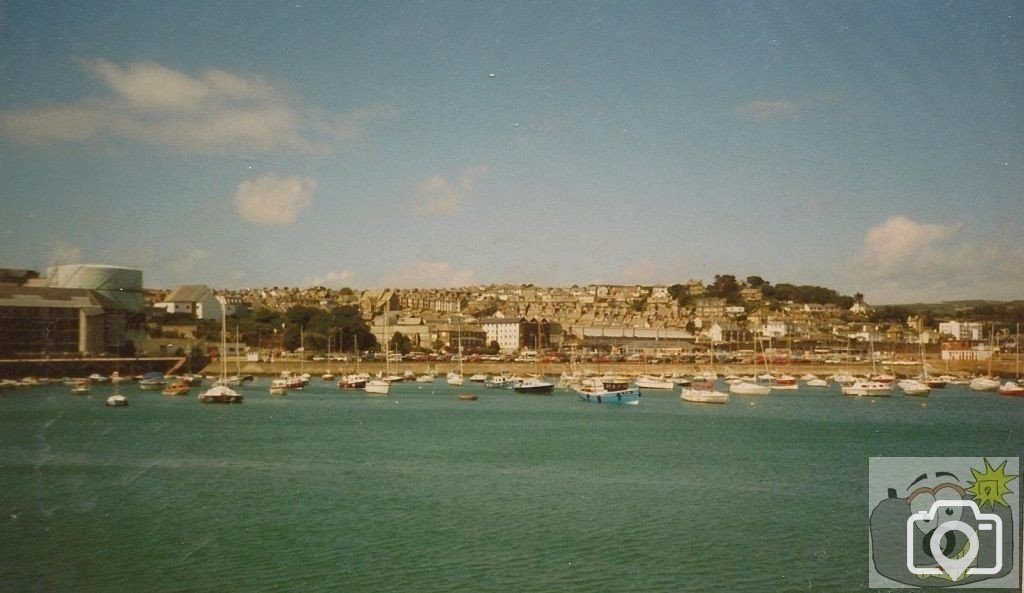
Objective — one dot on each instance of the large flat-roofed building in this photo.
(43, 321)
(121, 285)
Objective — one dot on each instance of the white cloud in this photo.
(900, 242)
(333, 279)
(438, 195)
(186, 262)
(765, 110)
(271, 200)
(214, 112)
(426, 274)
(902, 260)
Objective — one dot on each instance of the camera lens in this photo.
(948, 543)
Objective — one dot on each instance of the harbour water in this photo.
(324, 490)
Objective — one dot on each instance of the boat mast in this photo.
(223, 340)
(387, 341)
(238, 363)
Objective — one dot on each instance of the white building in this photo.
(962, 330)
(506, 331)
(775, 328)
(194, 299)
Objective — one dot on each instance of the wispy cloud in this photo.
(214, 112)
(439, 195)
(332, 279)
(905, 260)
(271, 200)
(426, 274)
(766, 110)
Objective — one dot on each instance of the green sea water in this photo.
(325, 490)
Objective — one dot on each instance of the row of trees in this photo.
(726, 286)
(312, 327)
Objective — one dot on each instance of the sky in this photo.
(873, 147)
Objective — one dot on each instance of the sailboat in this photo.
(744, 387)
(220, 393)
(380, 385)
(869, 387)
(354, 380)
(918, 387)
(456, 379)
(117, 400)
(1014, 387)
(235, 380)
(535, 384)
(987, 383)
(328, 376)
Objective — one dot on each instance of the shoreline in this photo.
(937, 367)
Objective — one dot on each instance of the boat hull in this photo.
(627, 397)
(1012, 388)
(745, 388)
(378, 387)
(699, 396)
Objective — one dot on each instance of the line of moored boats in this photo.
(609, 388)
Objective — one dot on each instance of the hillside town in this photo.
(82, 310)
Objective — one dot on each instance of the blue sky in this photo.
(872, 147)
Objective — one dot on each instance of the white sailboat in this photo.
(917, 387)
(744, 387)
(455, 379)
(988, 382)
(220, 393)
(328, 376)
(1016, 387)
(868, 387)
(380, 385)
(357, 379)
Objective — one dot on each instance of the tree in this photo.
(755, 281)
(401, 343)
(493, 347)
(723, 286)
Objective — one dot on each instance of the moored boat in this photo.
(704, 392)
(353, 381)
(746, 388)
(784, 382)
(279, 387)
(117, 401)
(866, 388)
(468, 397)
(153, 381)
(1013, 388)
(649, 382)
(220, 393)
(377, 387)
(177, 388)
(533, 385)
(983, 384)
(914, 387)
